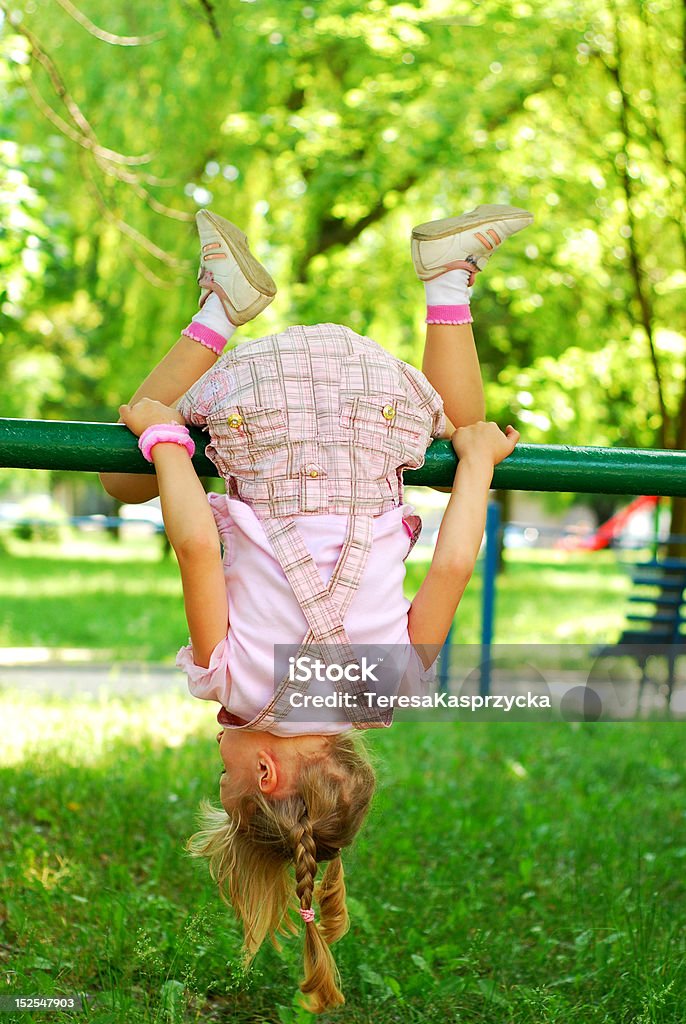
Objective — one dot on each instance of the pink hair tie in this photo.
(307, 915)
(175, 433)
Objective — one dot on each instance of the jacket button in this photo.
(313, 473)
(388, 412)
(235, 420)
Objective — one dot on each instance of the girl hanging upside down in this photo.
(311, 429)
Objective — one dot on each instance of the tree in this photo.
(326, 130)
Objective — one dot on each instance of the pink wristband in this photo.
(175, 433)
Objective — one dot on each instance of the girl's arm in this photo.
(191, 529)
(479, 448)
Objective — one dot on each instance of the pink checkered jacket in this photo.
(308, 421)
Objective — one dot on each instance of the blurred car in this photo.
(518, 536)
(147, 512)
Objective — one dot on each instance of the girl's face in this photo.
(237, 749)
(255, 760)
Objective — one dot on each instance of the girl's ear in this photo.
(268, 777)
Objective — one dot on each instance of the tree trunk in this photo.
(677, 529)
(677, 548)
(504, 499)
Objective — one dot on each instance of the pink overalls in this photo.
(309, 421)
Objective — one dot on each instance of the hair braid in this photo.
(305, 859)
(321, 981)
(330, 895)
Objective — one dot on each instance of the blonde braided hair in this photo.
(250, 853)
(321, 974)
(305, 859)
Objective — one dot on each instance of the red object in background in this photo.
(613, 526)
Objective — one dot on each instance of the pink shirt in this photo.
(263, 610)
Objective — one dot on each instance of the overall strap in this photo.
(324, 614)
(324, 607)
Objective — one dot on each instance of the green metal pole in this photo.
(110, 447)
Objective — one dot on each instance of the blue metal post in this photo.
(444, 661)
(490, 571)
(656, 531)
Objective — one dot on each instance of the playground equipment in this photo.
(656, 628)
(611, 528)
(110, 447)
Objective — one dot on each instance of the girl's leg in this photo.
(451, 364)
(234, 289)
(185, 363)
(447, 254)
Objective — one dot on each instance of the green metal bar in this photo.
(110, 447)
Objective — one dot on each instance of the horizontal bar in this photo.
(112, 448)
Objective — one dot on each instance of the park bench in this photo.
(654, 631)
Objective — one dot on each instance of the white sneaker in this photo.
(467, 241)
(228, 268)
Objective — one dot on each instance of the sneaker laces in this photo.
(472, 262)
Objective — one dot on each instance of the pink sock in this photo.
(447, 298)
(211, 326)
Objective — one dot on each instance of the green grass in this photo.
(545, 597)
(509, 874)
(124, 602)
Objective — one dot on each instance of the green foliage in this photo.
(326, 130)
